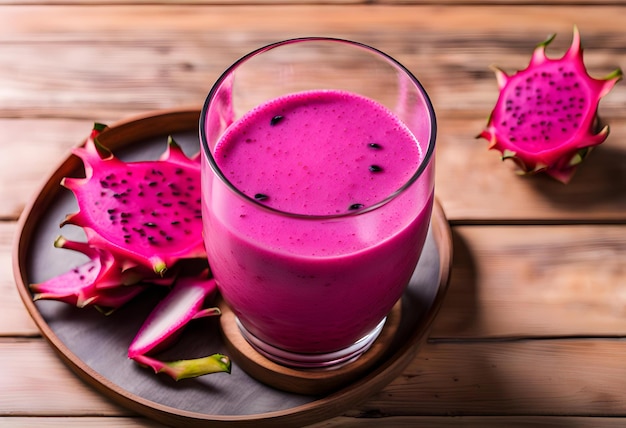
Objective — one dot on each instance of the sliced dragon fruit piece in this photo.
(77, 286)
(183, 369)
(147, 212)
(183, 303)
(545, 119)
(103, 280)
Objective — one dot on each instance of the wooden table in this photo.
(532, 328)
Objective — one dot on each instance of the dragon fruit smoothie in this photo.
(327, 261)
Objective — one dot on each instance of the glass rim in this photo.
(414, 177)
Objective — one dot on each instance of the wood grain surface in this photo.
(532, 329)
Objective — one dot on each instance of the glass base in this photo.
(329, 360)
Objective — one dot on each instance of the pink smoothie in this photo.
(315, 284)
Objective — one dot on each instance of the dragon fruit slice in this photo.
(78, 285)
(183, 369)
(183, 303)
(545, 118)
(147, 212)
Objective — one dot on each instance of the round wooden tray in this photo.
(94, 346)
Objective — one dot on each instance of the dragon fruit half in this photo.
(145, 212)
(546, 118)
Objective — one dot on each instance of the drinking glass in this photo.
(309, 287)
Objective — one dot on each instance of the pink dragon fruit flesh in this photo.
(545, 119)
(146, 212)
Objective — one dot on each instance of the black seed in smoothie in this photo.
(375, 146)
(375, 168)
(355, 207)
(260, 196)
(275, 120)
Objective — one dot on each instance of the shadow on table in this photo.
(459, 311)
(600, 180)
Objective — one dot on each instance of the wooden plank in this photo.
(510, 282)
(41, 384)
(341, 422)
(546, 3)
(30, 150)
(211, 2)
(377, 421)
(548, 377)
(472, 183)
(568, 377)
(317, 2)
(124, 59)
(14, 319)
(79, 422)
(507, 282)
(70, 22)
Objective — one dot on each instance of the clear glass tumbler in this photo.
(317, 191)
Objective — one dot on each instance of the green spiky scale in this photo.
(184, 369)
(508, 154)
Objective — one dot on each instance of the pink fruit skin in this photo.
(308, 286)
(545, 118)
